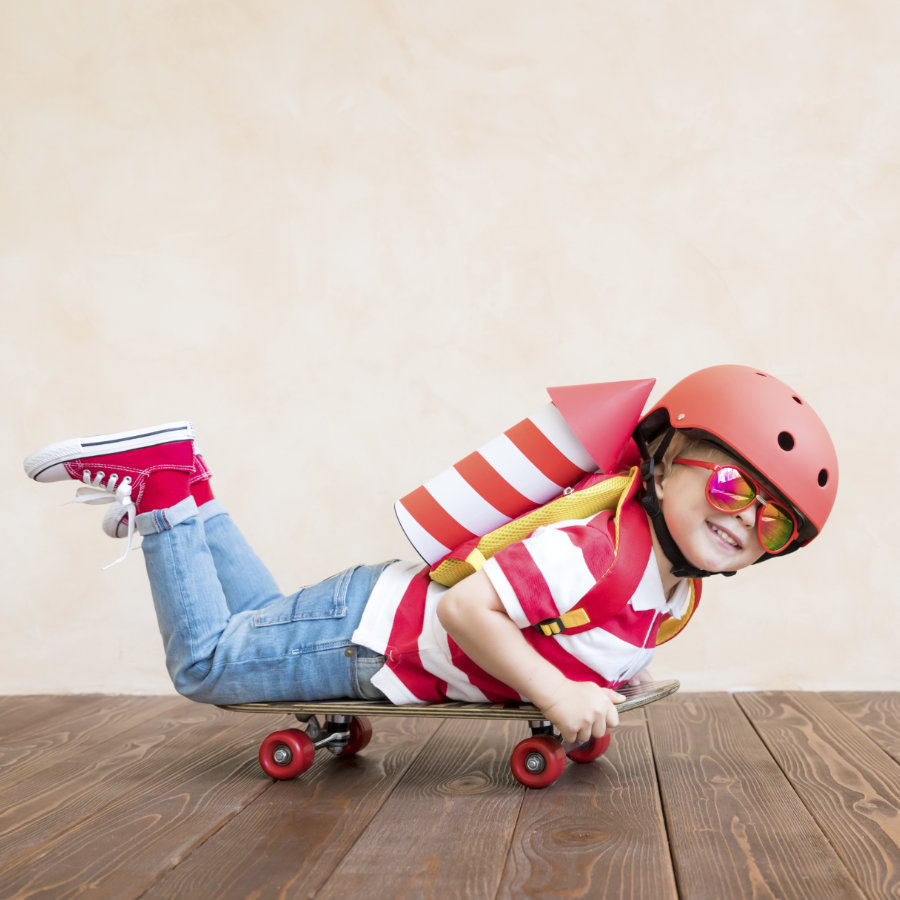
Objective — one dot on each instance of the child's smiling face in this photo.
(710, 539)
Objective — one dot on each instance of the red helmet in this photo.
(765, 423)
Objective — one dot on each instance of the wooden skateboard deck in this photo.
(635, 696)
(536, 761)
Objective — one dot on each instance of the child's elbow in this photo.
(448, 611)
(465, 605)
(455, 607)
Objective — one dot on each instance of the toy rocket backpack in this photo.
(526, 478)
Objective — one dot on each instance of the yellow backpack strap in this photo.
(673, 626)
(620, 580)
(571, 504)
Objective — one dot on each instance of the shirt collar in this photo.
(678, 604)
(650, 593)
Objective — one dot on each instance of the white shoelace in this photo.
(95, 492)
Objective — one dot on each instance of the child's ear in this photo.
(659, 477)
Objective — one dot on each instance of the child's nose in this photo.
(748, 516)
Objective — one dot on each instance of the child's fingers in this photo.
(612, 717)
(585, 713)
(605, 722)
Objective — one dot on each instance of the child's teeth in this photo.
(724, 536)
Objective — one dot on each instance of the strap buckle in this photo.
(571, 619)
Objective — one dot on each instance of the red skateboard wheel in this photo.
(360, 735)
(588, 752)
(538, 761)
(286, 754)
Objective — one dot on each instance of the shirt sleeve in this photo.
(549, 572)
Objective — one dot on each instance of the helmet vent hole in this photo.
(786, 441)
(798, 401)
(823, 477)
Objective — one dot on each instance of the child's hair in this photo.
(687, 445)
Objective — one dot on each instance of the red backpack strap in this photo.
(617, 585)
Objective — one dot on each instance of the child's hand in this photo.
(581, 710)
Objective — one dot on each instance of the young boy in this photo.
(736, 469)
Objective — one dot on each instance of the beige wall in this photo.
(355, 240)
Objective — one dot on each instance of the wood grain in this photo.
(114, 817)
(598, 832)
(72, 730)
(736, 827)
(878, 715)
(293, 837)
(845, 779)
(754, 795)
(20, 714)
(446, 828)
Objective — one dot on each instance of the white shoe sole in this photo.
(45, 464)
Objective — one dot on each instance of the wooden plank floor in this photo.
(762, 795)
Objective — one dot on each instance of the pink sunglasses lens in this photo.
(729, 490)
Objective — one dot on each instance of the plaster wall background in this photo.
(353, 241)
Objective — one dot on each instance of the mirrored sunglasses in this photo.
(732, 490)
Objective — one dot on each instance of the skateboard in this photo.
(345, 729)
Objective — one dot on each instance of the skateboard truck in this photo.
(288, 753)
(333, 734)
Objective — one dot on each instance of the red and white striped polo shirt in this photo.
(539, 578)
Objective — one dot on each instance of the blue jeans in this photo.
(230, 635)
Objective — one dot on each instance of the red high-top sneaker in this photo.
(117, 520)
(148, 467)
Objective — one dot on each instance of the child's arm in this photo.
(474, 617)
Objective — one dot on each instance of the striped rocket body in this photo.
(526, 466)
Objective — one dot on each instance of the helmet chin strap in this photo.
(681, 568)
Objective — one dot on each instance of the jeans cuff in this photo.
(159, 520)
(210, 509)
